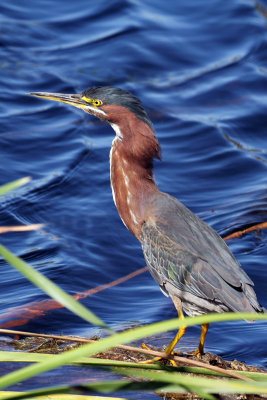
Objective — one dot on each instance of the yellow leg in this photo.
(178, 335)
(204, 331)
(174, 342)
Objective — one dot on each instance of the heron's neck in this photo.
(132, 186)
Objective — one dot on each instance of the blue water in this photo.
(200, 69)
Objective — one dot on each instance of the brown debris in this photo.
(57, 344)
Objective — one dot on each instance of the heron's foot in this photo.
(158, 359)
(198, 353)
(144, 346)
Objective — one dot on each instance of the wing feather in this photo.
(184, 253)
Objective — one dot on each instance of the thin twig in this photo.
(135, 349)
(23, 314)
(238, 234)
(116, 282)
(20, 228)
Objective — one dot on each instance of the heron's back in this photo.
(191, 261)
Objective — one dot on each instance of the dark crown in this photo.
(114, 96)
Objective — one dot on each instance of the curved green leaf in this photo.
(119, 338)
(13, 185)
(50, 288)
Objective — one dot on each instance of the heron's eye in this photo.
(94, 102)
(97, 102)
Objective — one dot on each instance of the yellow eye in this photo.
(97, 102)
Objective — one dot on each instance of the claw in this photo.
(173, 363)
(152, 361)
(157, 359)
(198, 353)
(144, 346)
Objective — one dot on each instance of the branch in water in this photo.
(20, 228)
(238, 234)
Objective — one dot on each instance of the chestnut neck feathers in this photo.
(131, 166)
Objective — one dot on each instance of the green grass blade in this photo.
(201, 384)
(12, 356)
(112, 341)
(13, 185)
(42, 395)
(50, 288)
(100, 387)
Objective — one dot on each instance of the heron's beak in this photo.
(72, 99)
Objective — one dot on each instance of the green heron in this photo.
(188, 259)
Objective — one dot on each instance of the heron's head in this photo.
(105, 102)
(120, 108)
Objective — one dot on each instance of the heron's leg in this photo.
(178, 336)
(204, 331)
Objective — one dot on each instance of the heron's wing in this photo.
(183, 251)
(191, 234)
